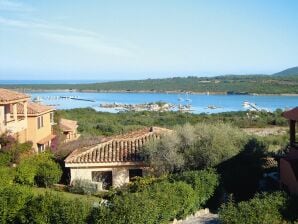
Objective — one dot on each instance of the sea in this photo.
(199, 103)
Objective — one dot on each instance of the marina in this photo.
(194, 103)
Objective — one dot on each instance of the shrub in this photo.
(160, 203)
(48, 173)
(12, 201)
(203, 182)
(7, 176)
(51, 208)
(264, 208)
(194, 147)
(38, 169)
(5, 159)
(81, 186)
(26, 172)
(164, 155)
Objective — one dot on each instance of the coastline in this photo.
(149, 91)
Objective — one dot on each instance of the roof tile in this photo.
(122, 148)
(9, 95)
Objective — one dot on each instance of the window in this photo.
(39, 122)
(104, 177)
(133, 173)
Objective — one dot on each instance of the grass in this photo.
(89, 198)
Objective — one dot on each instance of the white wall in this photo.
(120, 174)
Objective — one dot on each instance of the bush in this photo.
(26, 172)
(12, 201)
(159, 200)
(203, 182)
(48, 172)
(38, 169)
(51, 208)
(160, 203)
(264, 208)
(7, 176)
(81, 186)
(194, 147)
(5, 159)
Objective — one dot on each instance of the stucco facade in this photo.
(40, 136)
(25, 120)
(120, 173)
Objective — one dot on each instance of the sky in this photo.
(138, 39)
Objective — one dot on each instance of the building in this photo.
(289, 163)
(39, 127)
(113, 162)
(68, 129)
(25, 120)
(10, 121)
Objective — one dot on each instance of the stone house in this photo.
(113, 162)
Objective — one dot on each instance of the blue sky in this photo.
(104, 40)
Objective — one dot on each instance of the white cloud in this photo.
(14, 6)
(78, 38)
(88, 43)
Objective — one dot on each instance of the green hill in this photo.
(284, 82)
(288, 72)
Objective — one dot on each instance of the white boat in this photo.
(246, 104)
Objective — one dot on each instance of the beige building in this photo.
(39, 126)
(68, 129)
(113, 162)
(26, 121)
(10, 121)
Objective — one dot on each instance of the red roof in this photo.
(9, 95)
(125, 148)
(68, 125)
(34, 109)
(291, 114)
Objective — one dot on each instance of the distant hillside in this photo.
(230, 84)
(288, 72)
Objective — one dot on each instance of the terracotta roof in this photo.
(68, 125)
(9, 95)
(34, 108)
(122, 148)
(291, 114)
(46, 139)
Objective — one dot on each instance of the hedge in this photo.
(157, 202)
(203, 182)
(264, 208)
(161, 201)
(39, 169)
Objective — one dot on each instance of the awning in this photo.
(291, 114)
(46, 139)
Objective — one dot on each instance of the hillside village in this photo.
(181, 169)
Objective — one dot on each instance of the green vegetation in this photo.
(194, 147)
(160, 200)
(266, 208)
(96, 123)
(233, 84)
(205, 156)
(38, 170)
